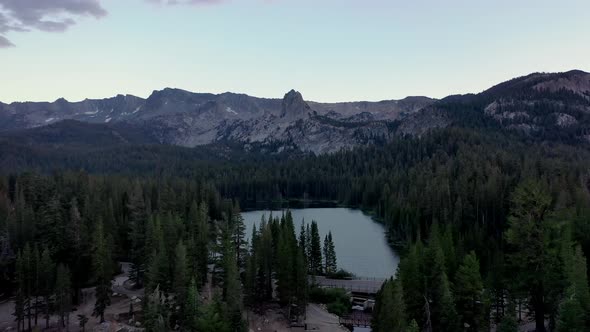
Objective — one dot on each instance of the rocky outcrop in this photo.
(179, 117)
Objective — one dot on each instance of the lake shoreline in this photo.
(361, 242)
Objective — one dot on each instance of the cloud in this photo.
(59, 15)
(185, 2)
(4, 43)
(44, 15)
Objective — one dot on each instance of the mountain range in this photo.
(547, 106)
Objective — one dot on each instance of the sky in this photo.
(329, 50)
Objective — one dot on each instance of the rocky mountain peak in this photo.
(293, 105)
(575, 81)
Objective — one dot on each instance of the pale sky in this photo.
(329, 50)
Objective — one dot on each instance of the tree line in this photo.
(541, 275)
(458, 183)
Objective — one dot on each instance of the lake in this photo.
(361, 246)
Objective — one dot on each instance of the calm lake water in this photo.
(360, 243)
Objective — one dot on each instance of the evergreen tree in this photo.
(445, 315)
(508, 324)
(413, 327)
(155, 313)
(302, 238)
(264, 277)
(158, 266)
(571, 314)
(468, 288)
(198, 247)
(191, 308)
(250, 291)
(102, 268)
(20, 299)
(137, 214)
(231, 287)
(326, 255)
(47, 271)
(315, 255)
(579, 280)
(82, 321)
(331, 265)
(31, 283)
(51, 226)
(238, 236)
(529, 251)
(212, 318)
(63, 294)
(285, 270)
(180, 273)
(412, 282)
(301, 280)
(389, 313)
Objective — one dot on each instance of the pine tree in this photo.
(198, 248)
(445, 314)
(326, 255)
(308, 247)
(315, 255)
(302, 238)
(508, 324)
(526, 236)
(301, 281)
(413, 327)
(30, 266)
(264, 283)
(191, 308)
(51, 225)
(332, 265)
(158, 267)
(212, 318)
(468, 288)
(412, 282)
(250, 291)
(238, 236)
(63, 294)
(155, 315)
(19, 302)
(157, 275)
(571, 314)
(180, 273)
(579, 280)
(285, 270)
(102, 268)
(47, 271)
(82, 321)
(389, 313)
(137, 214)
(232, 290)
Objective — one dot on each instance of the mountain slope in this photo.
(179, 117)
(540, 106)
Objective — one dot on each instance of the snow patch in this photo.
(107, 120)
(49, 120)
(91, 113)
(136, 110)
(230, 110)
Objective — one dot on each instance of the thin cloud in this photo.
(44, 15)
(5, 43)
(59, 15)
(185, 2)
